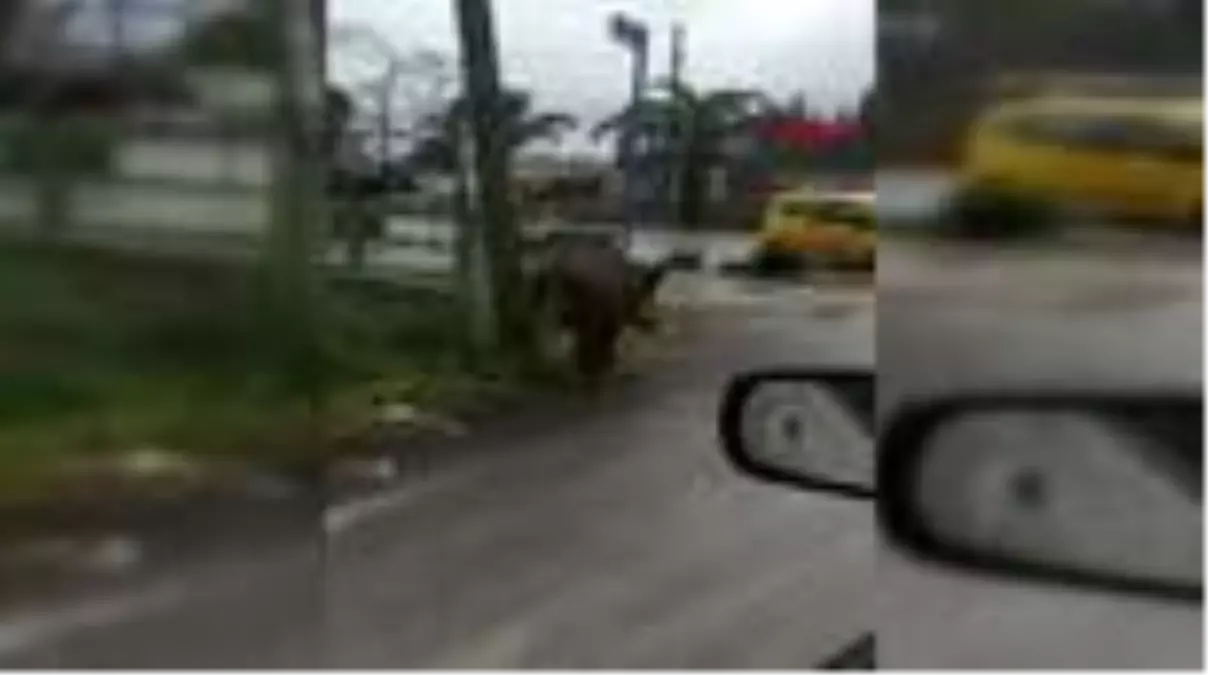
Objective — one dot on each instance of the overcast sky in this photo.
(560, 49)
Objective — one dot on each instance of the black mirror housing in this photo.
(856, 389)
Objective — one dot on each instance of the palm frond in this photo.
(677, 90)
(647, 117)
(542, 126)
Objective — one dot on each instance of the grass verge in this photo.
(126, 376)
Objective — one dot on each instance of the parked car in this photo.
(819, 228)
(1124, 158)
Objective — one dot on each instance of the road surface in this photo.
(956, 316)
(911, 196)
(598, 533)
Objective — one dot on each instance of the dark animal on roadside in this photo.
(591, 290)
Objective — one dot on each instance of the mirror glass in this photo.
(815, 430)
(1088, 490)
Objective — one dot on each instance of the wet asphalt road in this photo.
(621, 542)
(950, 317)
(608, 533)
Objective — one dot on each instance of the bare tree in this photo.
(395, 92)
(387, 96)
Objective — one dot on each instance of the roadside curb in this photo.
(394, 457)
(71, 549)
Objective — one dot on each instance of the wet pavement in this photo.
(606, 533)
(623, 541)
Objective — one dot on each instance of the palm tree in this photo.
(338, 111)
(691, 129)
(797, 107)
(240, 37)
(355, 219)
(868, 107)
(439, 150)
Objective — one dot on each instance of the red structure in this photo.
(810, 135)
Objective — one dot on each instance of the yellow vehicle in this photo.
(1122, 157)
(829, 228)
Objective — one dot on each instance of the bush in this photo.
(81, 146)
(351, 220)
(996, 213)
(245, 39)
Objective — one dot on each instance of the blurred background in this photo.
(1040, 204)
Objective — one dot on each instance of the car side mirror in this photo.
(1099, 490)
(1095, 489)
(808, 428)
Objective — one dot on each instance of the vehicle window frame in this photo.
(1107, 133)
(847, 213)
(797, 208)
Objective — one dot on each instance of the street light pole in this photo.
(634, 36)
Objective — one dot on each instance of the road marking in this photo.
(42, 626)
(345, 516)
(39, 627)
(28, 631)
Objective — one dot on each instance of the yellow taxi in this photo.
(1131, 158)
(828, 227)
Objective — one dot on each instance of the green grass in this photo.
(105, 353)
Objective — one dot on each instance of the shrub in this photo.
(245, 39)
(82, 146)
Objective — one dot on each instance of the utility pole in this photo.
(675, 149)
(117, 30)
(386, 113)
(493, 244)
(634, 36)
(295, 184)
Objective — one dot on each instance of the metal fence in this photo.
(146, 131)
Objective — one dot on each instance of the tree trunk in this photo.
(693, 188)
(53, 181)
(358, 236)
(480, 71)
(293, 290)
(473, 269)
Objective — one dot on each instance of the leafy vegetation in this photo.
(519, 123)
(692, 128)
(81, 145)
(240, 39)
(106, 353)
